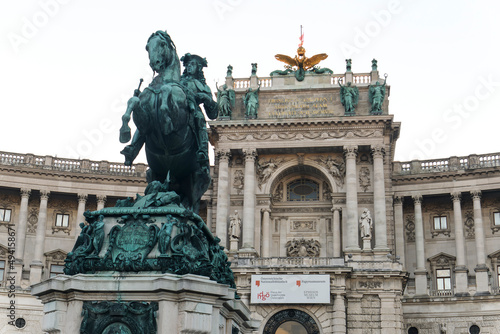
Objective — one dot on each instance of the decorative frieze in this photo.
(303, 226)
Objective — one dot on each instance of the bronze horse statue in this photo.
(164, 116)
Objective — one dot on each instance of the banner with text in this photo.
(290, 289)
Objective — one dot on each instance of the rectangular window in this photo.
(440, 223)
(443, 279)
(496, 218)
(2, 271)
(56, 269)
(5, 215)
(62, 220)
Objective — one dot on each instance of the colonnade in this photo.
(461, 283)
(36, 265)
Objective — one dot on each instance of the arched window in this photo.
(302, 190)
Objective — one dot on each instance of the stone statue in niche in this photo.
(234, 226)
(239, 181)
(364, 178)
(366, 224)
(303, 248)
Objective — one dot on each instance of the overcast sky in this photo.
(69, 66)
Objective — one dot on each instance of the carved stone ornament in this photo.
(303, 226)
(239, 181)
(327, 192)
(364, 178)
(469, 225)
(370, 284)
(32, 220)
(410, 228)
(266, 168)
(278, 193)
(336, 167)
(116, 317)
(303, 248)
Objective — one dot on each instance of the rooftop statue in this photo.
(225, 100)
(300, 64)
(251, 102)
(349, 96)
(170, 122)
(376, 96)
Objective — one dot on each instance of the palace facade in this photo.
(299, 190)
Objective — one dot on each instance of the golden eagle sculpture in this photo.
(300, 64)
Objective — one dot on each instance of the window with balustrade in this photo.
(62, 222)
(442, 271)
(5, 215)
(440, 225)
(495, 221)
(54, 263)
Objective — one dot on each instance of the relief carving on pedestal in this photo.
(303, 248)
(336, 167)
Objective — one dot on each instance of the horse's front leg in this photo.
(125, 135)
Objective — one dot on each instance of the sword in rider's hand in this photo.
(138, 90)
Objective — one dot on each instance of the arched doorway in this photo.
(291, 322)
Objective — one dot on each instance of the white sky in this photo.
(68, 67)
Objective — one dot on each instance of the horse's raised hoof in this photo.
(125, 134)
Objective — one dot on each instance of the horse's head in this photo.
(162, 52)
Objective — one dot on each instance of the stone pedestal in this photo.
(367, 243)
(233, 245)
(183, 304)
(420, 283)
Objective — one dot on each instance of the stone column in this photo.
(339, 315)
(283, 231)
(399, 228)
(82, 200)
(379, 199)
(209, 214)
(266, 233)
(420, 271)
(460, 268)
(482, 281)
(336, 232)
(37, 265)
(101, 200)
(222, 196)
(351, 198)
(249, 200)
(21, 226)
(21, 236)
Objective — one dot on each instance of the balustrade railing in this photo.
(71, 165)
(441, 293)
(473, 161)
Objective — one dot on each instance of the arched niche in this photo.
(277, 323)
